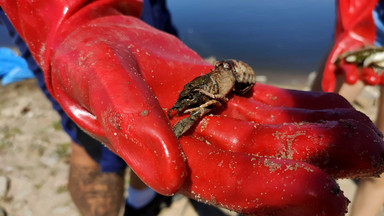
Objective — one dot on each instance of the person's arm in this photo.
(116, 77)
(75, 43)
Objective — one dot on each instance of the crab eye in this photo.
(227, 66)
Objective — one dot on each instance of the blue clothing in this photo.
(154, 13)
(13, 68)
(378, 16)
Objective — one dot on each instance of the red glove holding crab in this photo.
(270, 152)
(353, 53)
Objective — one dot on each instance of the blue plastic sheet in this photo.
(13, 68)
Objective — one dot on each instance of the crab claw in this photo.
(172, 111)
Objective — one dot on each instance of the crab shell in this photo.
(244, 75)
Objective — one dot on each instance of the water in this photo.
(276, 37)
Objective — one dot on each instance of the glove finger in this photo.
(275, 96)
(251, 110)
(122, 105)
(328, 82)
(369, 76)
(344, 148)
(258, 185)
(350, 71)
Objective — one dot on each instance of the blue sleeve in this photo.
(378, 16)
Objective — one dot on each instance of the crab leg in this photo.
(185, 124)
(205, 105)
(214, 96)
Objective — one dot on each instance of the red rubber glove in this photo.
(117, 77)
(355, 28)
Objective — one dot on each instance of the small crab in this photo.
(365, 57)
(200, 95)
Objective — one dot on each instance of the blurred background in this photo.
(283, 40)
(279, 39)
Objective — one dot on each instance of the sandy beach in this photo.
(34, 153)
